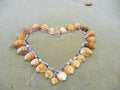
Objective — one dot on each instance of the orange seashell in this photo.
(21, 36)
(36, 27)
(68, 69)
(84, 28)
(80, 58)
(29, 56)
(90, 33)
(19, 43)
(54, 80)
(70, 27)
(86, 51)
(51, 30)
(27, 29)
(90, 39)
(48, 74)
(90, 45)
(44, 27)
(57, 32)
(75, 63)
(77, 26)
(41, 68)
(35, 62)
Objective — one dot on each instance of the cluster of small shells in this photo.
(23, 48)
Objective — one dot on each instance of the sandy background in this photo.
(101, 71)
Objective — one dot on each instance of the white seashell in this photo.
(86, 51)
(62, 76)
(63, 30)
(22, 50)
(35, 62)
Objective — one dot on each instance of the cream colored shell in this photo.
(62, 76)
(86, 51)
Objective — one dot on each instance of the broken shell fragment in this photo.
(36, 27)
(48, 74)
(22, 50)
(21, 36)
(86, 51)
(54, 80)
(62, 76)
(63, 30)
(80, 58)
(90, 39)
(51, 30)
(19, 43)
(77, 26)
(27, 29)
(75, 63)
(35, 62)
(68, 69)
(44, 27)
(70, 27)
(29, 56)
(41, 68)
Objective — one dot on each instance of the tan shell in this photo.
(51, 30)
(35, 62)
(19, 43)
(68, 69)
(48, 74)
(88, 4)
(29, 56)
(21, 36)
(63, 30)
(90, 39)
(75, 63)
(54, 80)
(70, 27)
(62, 76)
(44, 27)
(27, 29)
(80, 58)
(90, 45)
(41, 68)
(90, 33)
(57, 32)
(36, 27)
(77, 26)
(86, 51)
(84, 28)
(22, 50)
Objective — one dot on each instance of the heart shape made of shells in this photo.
(23, 48)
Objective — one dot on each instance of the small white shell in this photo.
(22, 50)
(62, 76)
(35, 62)
(63, 30)
(86, 51)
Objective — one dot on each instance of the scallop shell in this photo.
(84, 28)
(44, 27)
(80, 58)
(90, 39)
(68, 69)
(63, 30)
(51, 30)
(48, 74)
(35, 62)
(90, 33)
(77, 26)
(41, 68)
(54, 80)
(90, 45)
(62, 76)
(19, 43)
(27, 29)
(29, 56)
(86, 51)
(57, 32)
(75, 63)
(22, 50)
(21, 36)
(36, 27)
(70, 27)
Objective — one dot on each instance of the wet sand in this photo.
(101, 71)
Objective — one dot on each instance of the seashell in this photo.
(44, 27)
(51, 30)
(29, 56)
(63, 30)
(27, 29)
(35, 62)
(48, 74)
(80, 58)
(88, 4)
(54, 80)
(84, 28)
(77, 26)
(90, 39)
(22, 50)
(90, 33)
(57, 32)
(90, 45)
(70, 27)
(62, 76)
(19, 43)
(41, 68)
(68, 69)
(21, 36)
(36, 27)
(75, 63)
(86, 51)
